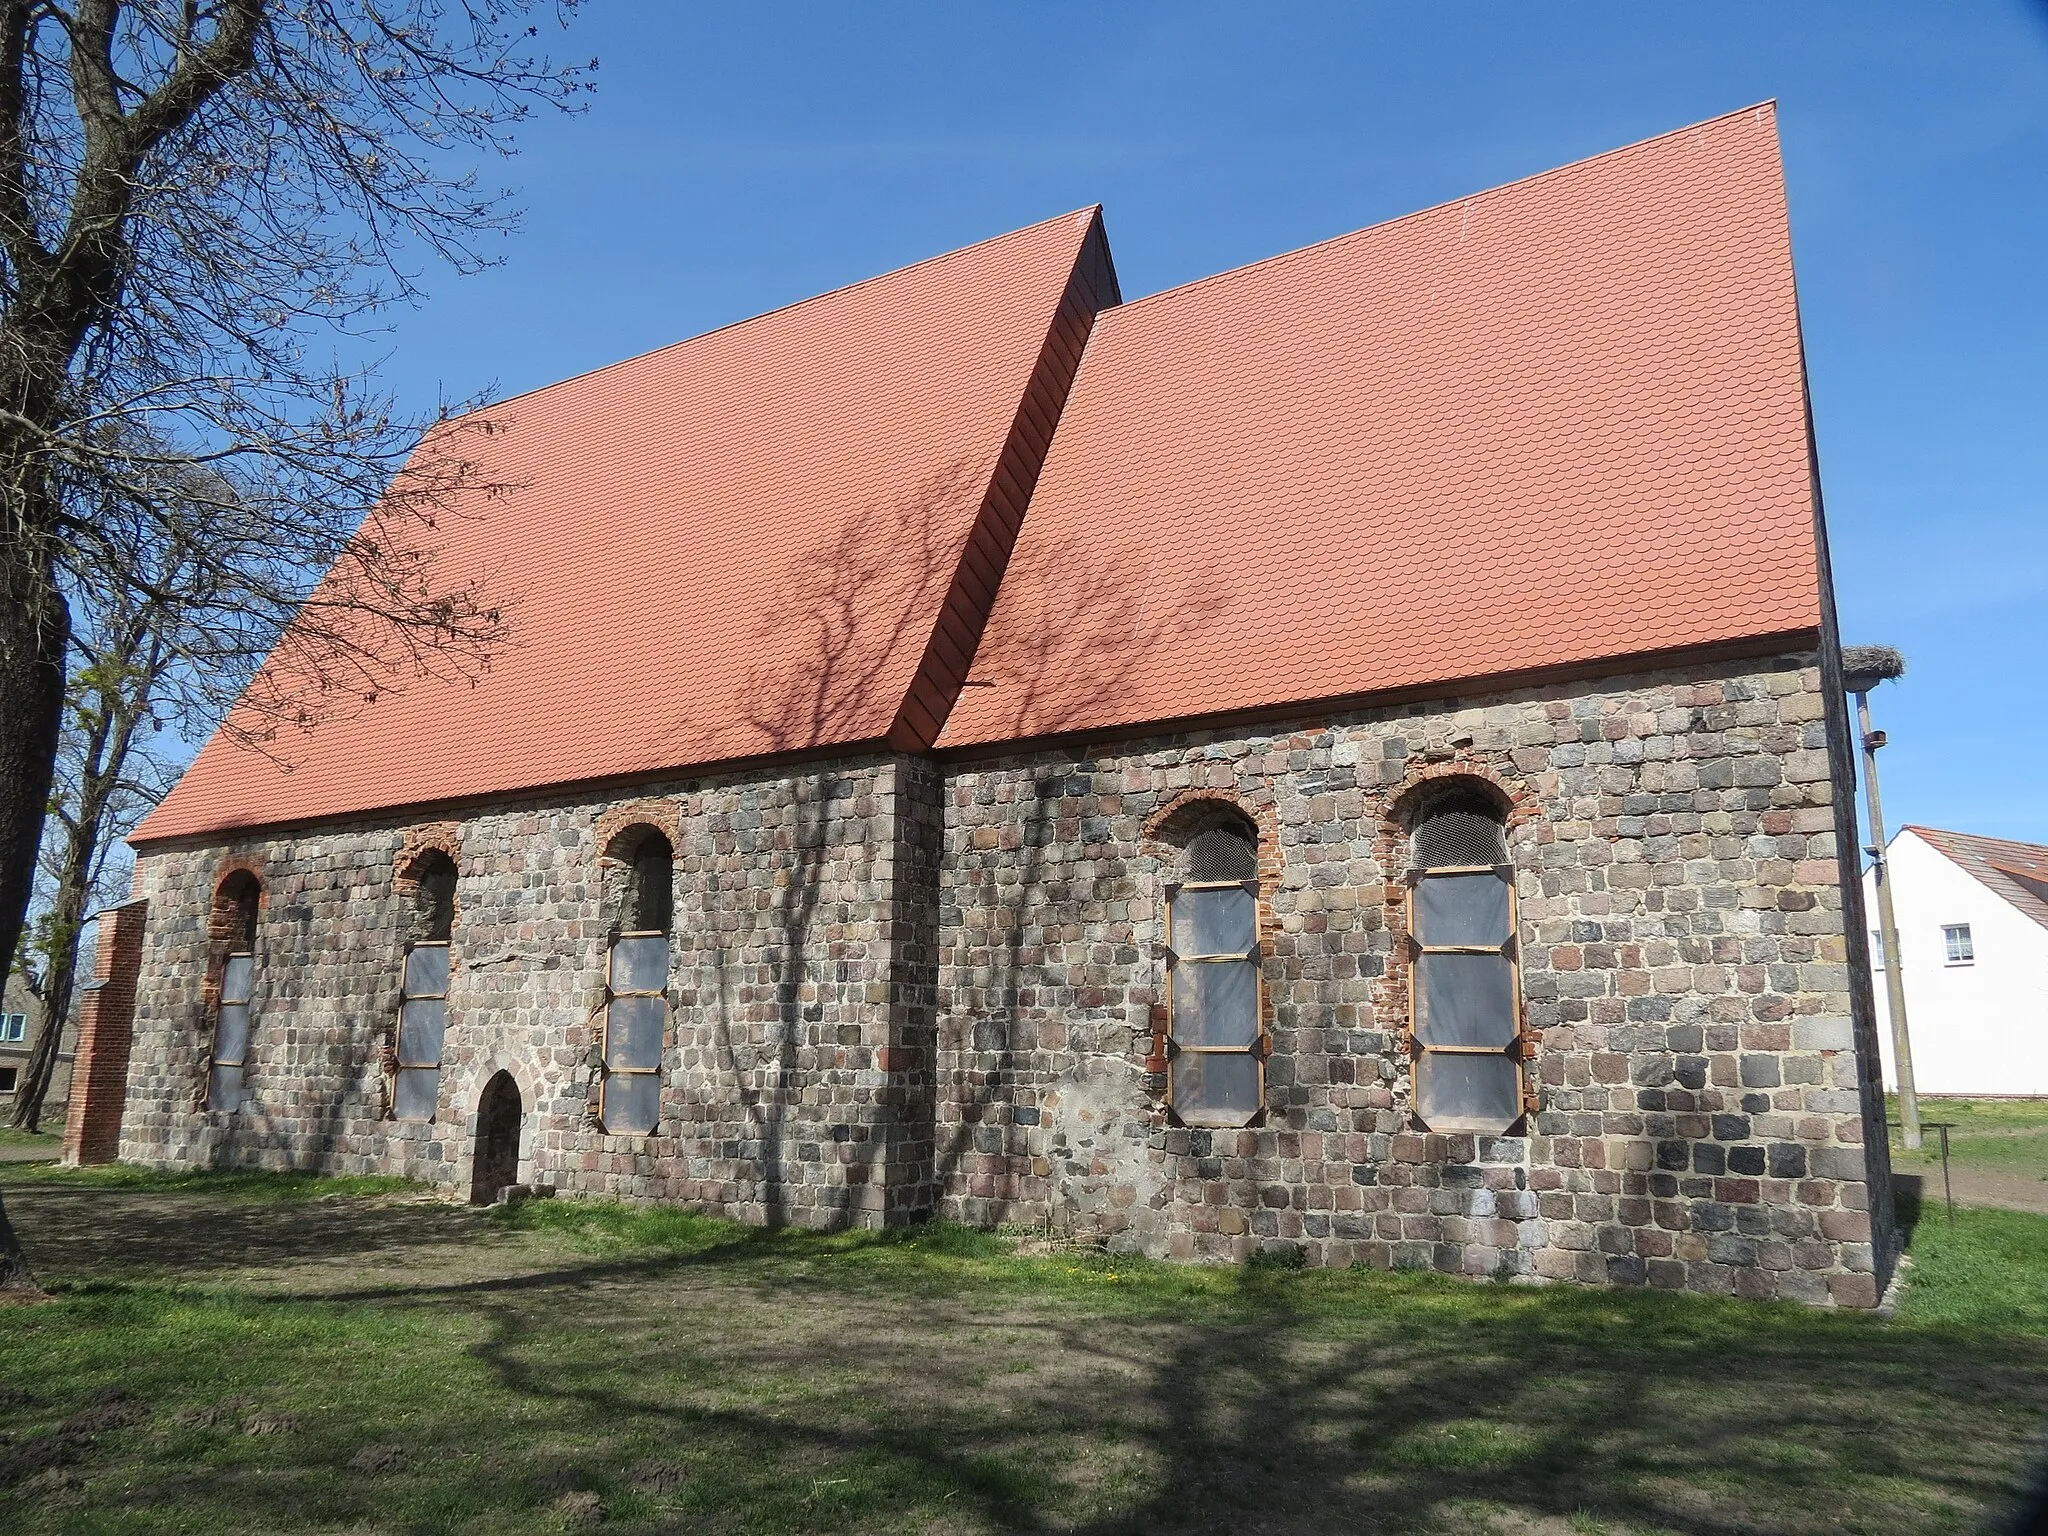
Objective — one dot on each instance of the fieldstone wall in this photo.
(1684, 960)
(902, 986)
(796, 1085)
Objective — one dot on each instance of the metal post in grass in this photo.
(1948, 1190)
(1863, 668)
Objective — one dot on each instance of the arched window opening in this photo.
(1466, 988)
(1216, 1046)
(423, 988)
(235, 908)
(636, 991)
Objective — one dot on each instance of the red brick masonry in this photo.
(106, 1033)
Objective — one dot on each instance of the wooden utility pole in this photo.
(1864, 667)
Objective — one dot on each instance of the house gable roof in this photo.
(1554, 423)
(2016, 872)
(776, 537)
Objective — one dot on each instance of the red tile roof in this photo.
(1553, 423)
(741, 544)
(2018, 872)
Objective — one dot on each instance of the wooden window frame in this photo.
(1957, 937)
(246, 1002)
(611, 994)
(1521, 1047)
(406, 995)
(1260, 1049)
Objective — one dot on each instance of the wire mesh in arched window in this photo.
(1460, 829)
(652, 907)
(1222, 853)
(436, 898)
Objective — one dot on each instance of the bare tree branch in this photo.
(201, 205)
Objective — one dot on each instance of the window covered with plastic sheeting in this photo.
(1465, 988)
(635, 1031)
(1216, 1046)
(235, 910)
(231, 1033)
(636, 993)
(423, 989)
(422, 1029)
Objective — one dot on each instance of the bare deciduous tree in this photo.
(193, 192)
(151, 658)
(190, 191)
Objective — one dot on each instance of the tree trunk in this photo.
(34, 638)
(113, 716)
(34, 635)
(17, 1280)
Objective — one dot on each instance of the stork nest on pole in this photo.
(1865, 666)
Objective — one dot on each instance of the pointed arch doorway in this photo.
(499, 1113)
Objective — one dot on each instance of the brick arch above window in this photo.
(442, 837)
(246, 864)
(1168, 828)
(241, 877)
(1516, 802)
(1518, 806)
(621, 829)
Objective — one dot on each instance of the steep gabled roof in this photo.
(1551, 424)
(2017, 872)
(1556, 425)
(779, 536)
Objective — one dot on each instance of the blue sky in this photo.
(745, 157)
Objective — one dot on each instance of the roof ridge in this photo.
(1980, 863)
(1975, 837)
(1085, 213)
(1769, 104)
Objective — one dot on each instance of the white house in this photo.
(1973, 936)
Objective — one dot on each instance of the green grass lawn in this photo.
(234, 1184)
(50, 1138)
(2005, 1134)
(235, 1353)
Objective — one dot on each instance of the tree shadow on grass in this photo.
(799, 1392)
(1674, 1415)
(111, 1232)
